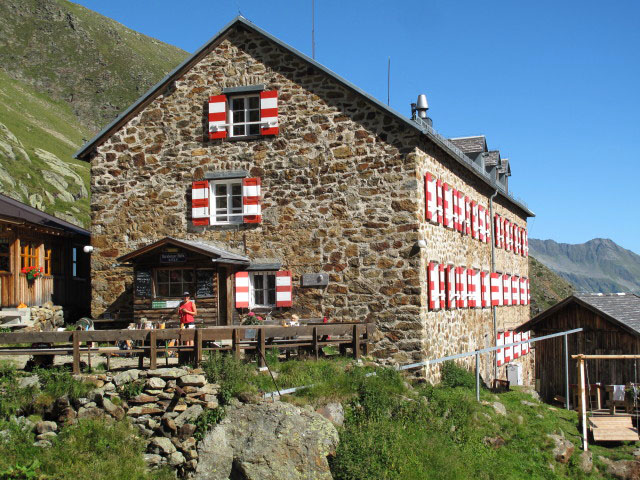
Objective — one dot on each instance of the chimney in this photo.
(419, 110)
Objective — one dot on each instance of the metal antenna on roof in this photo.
(313, 29)
(388, 80)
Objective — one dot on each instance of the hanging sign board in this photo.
(156, 304)
(171, 257)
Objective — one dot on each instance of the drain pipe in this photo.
(493, 269)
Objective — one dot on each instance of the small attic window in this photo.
(244, 115)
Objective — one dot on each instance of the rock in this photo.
(192, 381)
(90, 412)
(189, 415)
(333, 412)
(138, 411)
(155, 383)
(45, 427)
(164, 445)
(585, 461)
(47, 436)
(248, 397)
(499, 408)
(32, 381)
(622, 469)
(170, 425)
(143, 398)
(530, 404)
(115, 411)
(125, 377)
(296, 442)
(494, 442)
(187, 430)
(563, 448)
(42, 444)
(152, 459)
(519, 419)
(176, 459)
(109, 387)
(210, 388)
(167, 373)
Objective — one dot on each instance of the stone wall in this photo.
(342, 194)
(448, 332)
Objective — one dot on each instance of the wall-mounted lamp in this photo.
(422, 244)
(87, 249)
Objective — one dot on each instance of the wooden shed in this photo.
(30, 238)
(611, 324)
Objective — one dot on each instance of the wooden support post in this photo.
(76, 353)
(583, 402)
(356, 342)
(108, 362)
(260, 346)
(315, 342)
(198, 347)
(153, 352)
(235, 343)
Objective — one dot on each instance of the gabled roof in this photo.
(240, 21)
(477, 144)
(622, 309)
(16, 210)
(216, 253)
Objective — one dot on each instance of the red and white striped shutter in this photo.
(467, 215)
(448, 206)
(517, 349)
(500, 351)
(471, 288)
(431, 203)
(461, 287)
(526, 243)
(481, 218)
(518, 235)
(487, 223)
(462, 215)
(508, 351)
(200, 202)
(450, 272)
(242, 289)
(439, 201)
(515, 290)
(217, 116)
(515, 239)
(506, 289)
(269, 112)
(512, 236)
(474, 220)
(523, 291)
(251, 205)
(496, 223)
(434, 284)
(486, 298)
(456, 211)
(528, 292)
(525, 346)
(284, 289)
(508, 232)
(496, 290)
(502, 234)
(442, 290)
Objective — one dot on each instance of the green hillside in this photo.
(65, 72)
(547, 288)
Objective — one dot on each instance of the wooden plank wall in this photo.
(600, 337)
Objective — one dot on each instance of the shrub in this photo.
(58, 382)
(455, 376)
(206, 420)
(231, 373)
(131, 389)
(13, 399)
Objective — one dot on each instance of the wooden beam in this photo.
(235, 343)
(76, 353)
(153, 353)
(356, 342)
(583, 403)
(315, 342)
(603, 357)
(261, 349)
(198, 347)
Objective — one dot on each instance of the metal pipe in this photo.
(493, 269)
(566, 370)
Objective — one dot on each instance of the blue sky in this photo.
(553, 85)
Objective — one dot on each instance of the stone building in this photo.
(262, 181)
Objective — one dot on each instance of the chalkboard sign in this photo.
(143, 284)
(204, 283)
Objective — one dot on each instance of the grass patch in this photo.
(91, 449)
(58, 382)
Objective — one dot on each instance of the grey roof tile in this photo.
(625, 307)
(475, 144)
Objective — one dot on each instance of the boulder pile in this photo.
(163, 404)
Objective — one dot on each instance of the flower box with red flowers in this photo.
(32, 272)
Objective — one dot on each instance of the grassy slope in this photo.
(547, 287)
(65, 72)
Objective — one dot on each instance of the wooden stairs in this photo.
(612, 428)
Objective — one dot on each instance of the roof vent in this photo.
(419, 110)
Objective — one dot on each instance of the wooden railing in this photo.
(356, 336)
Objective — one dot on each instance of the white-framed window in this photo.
(244, 115)
(226, 201)
(262, 289)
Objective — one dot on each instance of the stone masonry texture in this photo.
(343, 193)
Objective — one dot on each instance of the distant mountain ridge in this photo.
(599, 265)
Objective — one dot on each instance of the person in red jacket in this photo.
(187, 310)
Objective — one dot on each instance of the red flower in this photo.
(251, 314)
(42, 269)
(259, 319)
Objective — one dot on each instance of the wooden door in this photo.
(222, 297)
